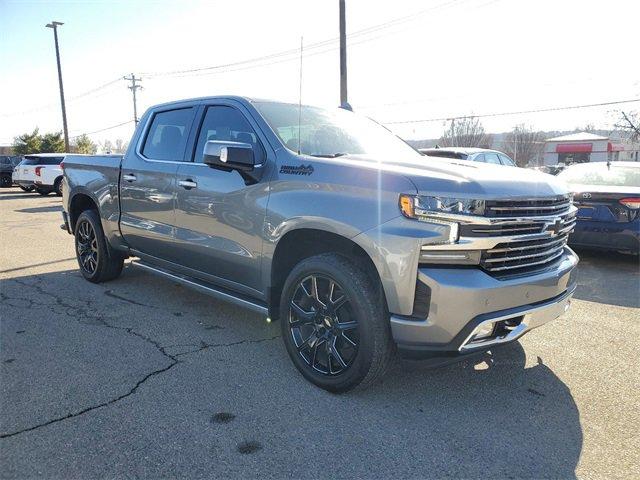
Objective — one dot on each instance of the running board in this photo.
(205, 288)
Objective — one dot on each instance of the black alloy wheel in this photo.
(335, 324)
(87, 247)
(322, 325)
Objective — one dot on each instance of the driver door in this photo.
(219, 218)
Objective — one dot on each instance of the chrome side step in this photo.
(211, 290)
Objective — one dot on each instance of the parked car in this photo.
(41, 172)
(347, 242)
(608, 199)
(482, 155)
(551, 169)
(7, 164)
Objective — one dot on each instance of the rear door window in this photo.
(492, 158)
(506, 160)
(479, 158)
(168, 134)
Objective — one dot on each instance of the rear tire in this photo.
(57, 186)
(5, 181)
(98, 262)
(43, 192)
(337, 336)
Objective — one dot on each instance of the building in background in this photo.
(586, 147)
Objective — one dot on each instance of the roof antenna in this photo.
(300, 95)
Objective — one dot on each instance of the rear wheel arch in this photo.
(78, 204)
(297, 245)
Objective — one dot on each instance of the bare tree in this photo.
(629, 123)
(464, 132)
(121, 146)
(524, 145)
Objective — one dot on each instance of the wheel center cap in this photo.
(328, 321)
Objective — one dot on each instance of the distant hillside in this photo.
(498, 139)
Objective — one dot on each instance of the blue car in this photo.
(608, 199)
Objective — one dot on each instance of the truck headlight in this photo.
(427, 207)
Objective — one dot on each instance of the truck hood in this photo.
(440, 176)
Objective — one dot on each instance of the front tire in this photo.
(5, 181)
(334, 323)
(98, 262)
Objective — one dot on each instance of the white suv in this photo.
(41, 172)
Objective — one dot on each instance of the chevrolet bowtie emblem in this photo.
(555, 227)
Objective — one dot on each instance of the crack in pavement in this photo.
(69, 310)
(109, 293)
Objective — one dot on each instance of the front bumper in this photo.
(463, 298)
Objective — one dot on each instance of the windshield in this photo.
(330, 133)
(600, 174)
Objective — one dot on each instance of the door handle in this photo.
(187, 184)
(129, 177)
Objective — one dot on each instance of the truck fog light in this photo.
(483, 331)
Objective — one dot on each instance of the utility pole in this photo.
(133, 87)
(54, 25)
(343, 58)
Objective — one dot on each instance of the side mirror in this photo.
(229, 155)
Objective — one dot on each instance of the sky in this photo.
(407, 60)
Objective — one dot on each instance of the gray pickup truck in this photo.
(325, 220)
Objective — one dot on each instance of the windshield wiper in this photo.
(330, 155)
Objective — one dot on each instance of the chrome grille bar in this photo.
(527, 264)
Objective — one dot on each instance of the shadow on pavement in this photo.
(608, 277)
(500, 419)
(12, 194)
(56, 208)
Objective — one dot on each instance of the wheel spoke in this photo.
(329, 364)
(339, 302)
(347, 325)
(336, 354)
(304, 317)
(311, 342)
(346, 337)
(314, 291)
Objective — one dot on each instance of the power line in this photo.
(294, 51)
(71, 99)
(501, 114)
(103, 129)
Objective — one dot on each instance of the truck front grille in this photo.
(527, 208)
(521, 254)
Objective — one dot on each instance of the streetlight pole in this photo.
(343, 58)
(54, 25)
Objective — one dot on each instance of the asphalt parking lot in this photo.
(141, 377)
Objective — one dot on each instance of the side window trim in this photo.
(147, 128)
